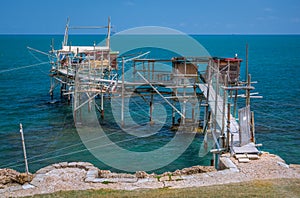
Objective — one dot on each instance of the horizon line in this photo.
(204, 34)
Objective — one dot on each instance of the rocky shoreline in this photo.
(83, 175)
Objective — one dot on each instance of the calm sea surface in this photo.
(50, 135)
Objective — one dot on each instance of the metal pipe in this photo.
(24, 150)
(160, 94)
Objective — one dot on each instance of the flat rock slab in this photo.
(27, 186)
(248, 148)
(115, 180)
(238, 156)
(243, 160)
(252, 156)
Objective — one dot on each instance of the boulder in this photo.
(141, 174)
(8, 176)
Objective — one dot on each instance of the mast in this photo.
(65, 42)
(108, 33)
(247, 67)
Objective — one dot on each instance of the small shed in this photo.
(183, 67)
(229, 66)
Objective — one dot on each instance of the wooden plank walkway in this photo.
(234, 126)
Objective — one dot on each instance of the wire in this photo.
(70, 146)
(22, 67)
(75, 152)
(34, 56)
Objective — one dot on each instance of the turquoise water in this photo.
(274, 61)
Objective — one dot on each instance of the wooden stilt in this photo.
(193, 105)
(183, 112)
(235, 103)
(173, 117)
(173, 111)
(193, 112)
(153, 71)
(102, 107)
(228, 127)
(69, 99)
(252, 128)
(216, 97)
(61, 90)
(51, 95)
(248, 90)
(89, 105)
(184, 106)
(123, 92)
(151, 109)
(207, 115)
(223, 115)
(247, 72)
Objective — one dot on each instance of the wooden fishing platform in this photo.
(222, 79)
(206, 96)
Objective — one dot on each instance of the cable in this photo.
(22, 67)
(75, 152)
(39, 61)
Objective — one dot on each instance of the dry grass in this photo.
(257, 188)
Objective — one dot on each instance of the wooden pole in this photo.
(252, 128)
(223, 115)
(248, 90)
(75, 96)
(216, 96)
(193, 105)
(228, 126)
(173, 117)
(153, 71)
(102, 77)
(235, 103)
(51, 95)
(122, 107)
(173, 111)
(183, 112)
(184, 106)
(149, 71)
(207, 94)
(52, 85)
(61, 90)
(184, 66)
(69, 96)
(151, 109)
(24, 149)
(102, 107)
(247, 62)
(134, 71)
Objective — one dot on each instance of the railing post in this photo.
(228, 126)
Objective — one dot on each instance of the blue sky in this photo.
(189, 16)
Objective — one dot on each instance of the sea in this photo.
(48, 125)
